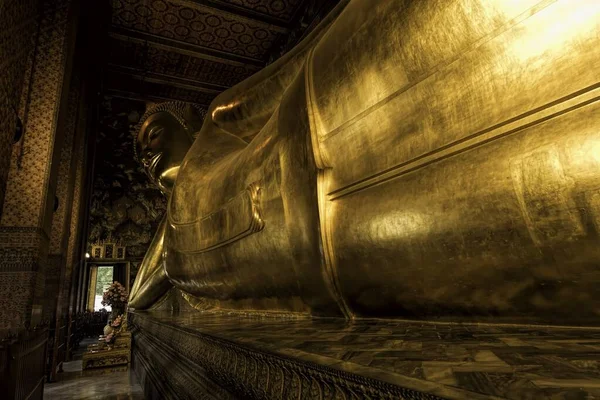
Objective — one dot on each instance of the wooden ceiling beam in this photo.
(142, 79)
(167, 79)
(239, 12)
(157, 88)
(137, 96)
(148, 96)
(184, 47)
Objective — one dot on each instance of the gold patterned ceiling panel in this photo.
(192, 50)
(198, 25)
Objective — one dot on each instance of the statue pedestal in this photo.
(221, 356)
(107, 357)
(185, 355)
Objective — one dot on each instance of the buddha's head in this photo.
(165, 133)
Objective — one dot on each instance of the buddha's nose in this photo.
(146, 158)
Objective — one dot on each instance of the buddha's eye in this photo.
(155, 132)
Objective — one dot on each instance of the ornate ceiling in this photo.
(192, 50)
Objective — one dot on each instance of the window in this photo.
(104, 277)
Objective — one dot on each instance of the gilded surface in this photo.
(218, 367)
(104, 355)
(453, 361)
(106, 358)
(414, 159)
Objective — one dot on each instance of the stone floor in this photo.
(73, 384)
(508, 362)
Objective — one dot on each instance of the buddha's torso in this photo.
(243, 228)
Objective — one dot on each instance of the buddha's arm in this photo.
(244, 109)
(151, 281)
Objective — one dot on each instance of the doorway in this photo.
(104, 278)
(101, 276)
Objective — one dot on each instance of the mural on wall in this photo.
(125, 205)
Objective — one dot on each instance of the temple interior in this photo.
(300, 199)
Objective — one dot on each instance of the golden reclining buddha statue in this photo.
(422, 159)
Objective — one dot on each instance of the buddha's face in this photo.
(162, 144)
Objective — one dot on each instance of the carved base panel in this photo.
(266, 357)
(164, 373)
(106, 358)
(173, 362)
(105, 370)
(102, 355)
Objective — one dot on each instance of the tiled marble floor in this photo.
(507, 362)
(73, 385)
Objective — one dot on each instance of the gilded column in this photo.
(29, 198)
(19, 21)
(61, 220)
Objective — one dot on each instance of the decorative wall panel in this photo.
(18, 19)
(23, 240)
(16, 294)
(125, 205)
(21, 250)
(28, 179)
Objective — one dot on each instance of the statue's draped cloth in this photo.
(429, 159)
